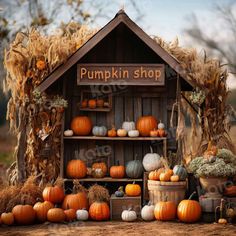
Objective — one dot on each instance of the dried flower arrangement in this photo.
(36, 118)
(223, 165)
(98, 193)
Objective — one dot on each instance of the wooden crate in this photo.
(159, 190)
(209, 204)
(118, 204)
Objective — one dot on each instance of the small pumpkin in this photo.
(145, 124)
(121, 132)
(53, 194)
(152, 161)
(120, 192)
(222, 221)
(41, 64)
(133, 133)
(70, 214)
(134, 169)
(154, 175)
(129, 215)
(92, 103)
(147, 212)
(230, 191)
(82, 214)
(180, 171)
(174, 178)
(161, 133)
(68, 133)
(128, 125)
(81, 125)
(117, 171)
(100, 165)
(7, 218)
(97, 173)
(132, 190)
(99, 211)
(99, 131)
(56, 215)
(165, 176)
(84, 103)
(24, 214)
(76, 169)
(154, 133)
(165, 210)
(189, 211)
(100, 102)
(41, 209)
(112, 132)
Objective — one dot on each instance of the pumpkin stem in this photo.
(150, 203)
(118, 162)
(151, 149)
(191, 196)
(135, 156)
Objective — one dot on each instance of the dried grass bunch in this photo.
(98, 193)
(77, 187)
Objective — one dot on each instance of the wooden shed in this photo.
(134, 75)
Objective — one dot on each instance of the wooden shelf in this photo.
(106, 179)
(102, 109)
(117, 138)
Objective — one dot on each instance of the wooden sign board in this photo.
(130, 74)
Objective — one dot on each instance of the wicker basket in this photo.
(173, 191)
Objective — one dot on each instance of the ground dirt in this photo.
(111, 228)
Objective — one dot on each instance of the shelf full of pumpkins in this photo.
(146, 126)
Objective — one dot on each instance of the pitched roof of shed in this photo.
(121, 17)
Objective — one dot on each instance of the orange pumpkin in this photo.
(41, 209)
(7, 218)
(81, 125)
(92, 103)
(100, 102)
(117, 171)
(70, 214)
(166, 175)
(100, 165)
(145, 124)
(56, 215)
(84, 103)
(112, 132)
(75, 201)
(41, 64)
(230, 191)
(154, 133)
(24, 214)
(189, 210)
(132, 190)
(53, 194)
(165, 210)
(161, 133)
(174, 178)
(99, 211)
(154, 175)
(76, 169)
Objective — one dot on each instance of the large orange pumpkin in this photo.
(165, 210)
(75, 201)
(99, 211)
(53, 194)
(117, 171)
(76, 169)
(41, 209)
(100, 165)
(7, 218)
(24, 214)
(70, 214)
(56, 215)
(133, 190)
(189, 210)
(145, 124)
(81, 125)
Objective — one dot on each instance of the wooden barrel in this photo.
(173, 191)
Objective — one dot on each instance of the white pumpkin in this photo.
(128, 215)
(82, 214)
(121, 132)
(133, 133)
(147, 212)
(161, 125)
(68, 133)
(128, 125)
(152, 161)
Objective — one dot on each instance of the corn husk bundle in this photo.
(77, 187)
(36, 118)
(98, 193)
(209, 100)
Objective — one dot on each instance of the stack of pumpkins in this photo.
(145, 126)
(188, 211)
(94, 103)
